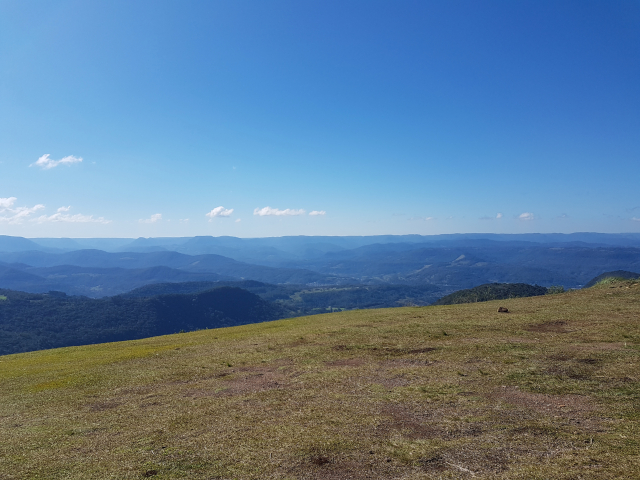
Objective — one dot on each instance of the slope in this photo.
(548, 391)
(36, 321)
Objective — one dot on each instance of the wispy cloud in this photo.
(156, 217)
(11, 215)
(423, 219)
(47, 163)
(635, 219)
(526, 216)
(219, 212)
(499, 215)
(315, 213)
(266, 211)
(61, 216)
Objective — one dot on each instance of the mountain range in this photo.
(448, 262)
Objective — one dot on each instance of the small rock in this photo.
(503, 310)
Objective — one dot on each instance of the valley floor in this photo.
(549, 390)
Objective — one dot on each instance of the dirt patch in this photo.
(542, 403)
(346, 362)
(390, 381)
(417, 425)
(345, 465)
(557, 326)
(246, 380)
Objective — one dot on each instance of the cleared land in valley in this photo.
(549, 390)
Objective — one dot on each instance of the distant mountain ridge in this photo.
(449, 262)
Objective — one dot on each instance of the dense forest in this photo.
(37, 321)
(299, 300)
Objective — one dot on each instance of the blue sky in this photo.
(380, 117)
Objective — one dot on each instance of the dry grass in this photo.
(549, 390)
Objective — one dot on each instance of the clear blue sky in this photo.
(390, 117)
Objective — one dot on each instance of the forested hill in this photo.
(492, 291)
(616, 274)
(39, 321)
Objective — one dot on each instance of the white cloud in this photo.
(184, 220)
(526, 216)
(47, 163)
(156, 217)
(422, 219)
(499, 215)
(635, 219)
(219, 212)
(6, 203)
(15, 215)
(238, 220)
(18, 214)
(266, 211)
(67, 218)
(317, 212)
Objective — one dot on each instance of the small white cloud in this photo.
(499, 215)
(6, 203)
(15, 215)
(635, 219)
(184, 220)
(422, 219)
(238, 220)
(156, 217)
(526, 216)
(315, 213)
(64, 209)
(219, 212)
(47, 163)
(267, 211)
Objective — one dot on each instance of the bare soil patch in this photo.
(543, 403)
(245, 380)
(346, 362)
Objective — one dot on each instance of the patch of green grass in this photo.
(611, 281)
(548, 391)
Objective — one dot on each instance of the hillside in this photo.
(492, 291)
(37, 321)
(549, 390)
(618, 274)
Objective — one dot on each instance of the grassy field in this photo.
(549, 390)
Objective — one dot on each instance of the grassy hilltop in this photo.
(549, 390)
